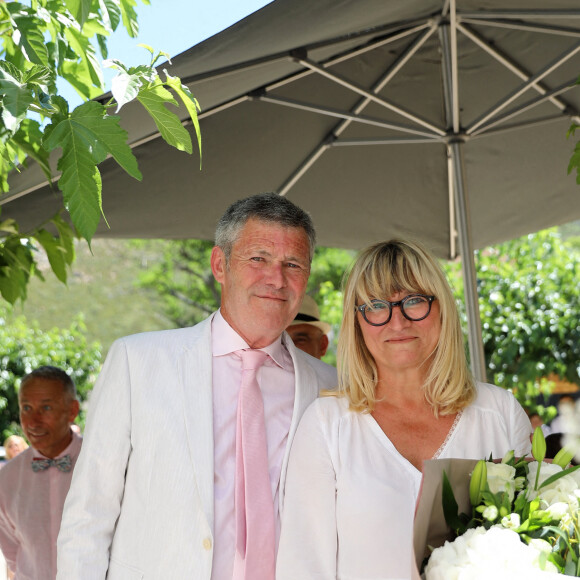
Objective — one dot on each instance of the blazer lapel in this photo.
(306, 390)
(195, 372)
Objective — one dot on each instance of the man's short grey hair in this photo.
(266, 207)
(53, 374)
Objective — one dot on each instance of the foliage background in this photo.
(529, 301)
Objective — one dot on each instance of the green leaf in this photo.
(38, 76)
(154, 99)
(29, 140)
(80, 9)
(9, 226)
(31, 40)
(129, 16)
(190, 103)
(564, 457)
(67, 236)
(450, 507)
(126, 85)
(111, 13)
(87, 56)
(16, 264)
(54, 252)
(86, 138)
(574, 163)
(478, 482)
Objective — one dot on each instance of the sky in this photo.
(171, 26)
(176, 25)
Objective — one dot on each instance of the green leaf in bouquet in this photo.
(478, 482)
(564, 457)
(521, 505)
(450, 507)
(509, 457)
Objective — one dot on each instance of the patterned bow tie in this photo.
(63, 464)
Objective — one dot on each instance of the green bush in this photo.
(25, 347)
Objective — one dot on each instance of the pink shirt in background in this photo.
(31, 506)
(276, 380)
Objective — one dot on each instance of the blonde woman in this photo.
(14, 445)
(405, 395)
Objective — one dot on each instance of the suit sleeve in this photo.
(94, 501)
(308, 541)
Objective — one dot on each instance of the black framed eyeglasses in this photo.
(414, 307)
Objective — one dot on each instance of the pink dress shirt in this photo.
(30, 513)
(276, 380)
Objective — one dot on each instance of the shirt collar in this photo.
(72, 449)
(226, 340)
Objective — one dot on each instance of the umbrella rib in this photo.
(359, 107)
(365, 93)
(304, 167)
(541, 28)
(389, 74)
(519, 91)
(518, 14)
(340, 114)
(508, 63)
(548, 96)
(386, 141)
(517, 126)
(343, 57)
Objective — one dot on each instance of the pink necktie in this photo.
(255, 528)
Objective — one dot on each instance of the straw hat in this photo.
(309, 314)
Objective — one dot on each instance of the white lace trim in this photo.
(451, 431)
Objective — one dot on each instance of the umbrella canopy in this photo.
(444, 120)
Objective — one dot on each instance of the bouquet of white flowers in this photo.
(524, 520)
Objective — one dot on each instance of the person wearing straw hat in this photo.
(307, 331)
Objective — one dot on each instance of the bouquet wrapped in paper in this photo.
(518, 518)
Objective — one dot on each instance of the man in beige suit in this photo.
(152, 495)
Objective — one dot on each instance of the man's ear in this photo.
(323, 344)
(74, 410)
(218, 263)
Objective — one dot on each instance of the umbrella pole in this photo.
(475, 340)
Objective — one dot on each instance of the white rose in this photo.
(500, 477)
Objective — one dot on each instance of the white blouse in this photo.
(350, 496)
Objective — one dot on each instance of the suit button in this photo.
(207, 544)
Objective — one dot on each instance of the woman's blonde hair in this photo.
(17, 439)
(380, 271)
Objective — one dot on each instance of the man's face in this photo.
(264, 281)
(309, 338)
(46, 413)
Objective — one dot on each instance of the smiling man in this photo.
(33, 485)
(228, 394)
(307, 331)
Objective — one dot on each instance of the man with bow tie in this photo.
(34, 485)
